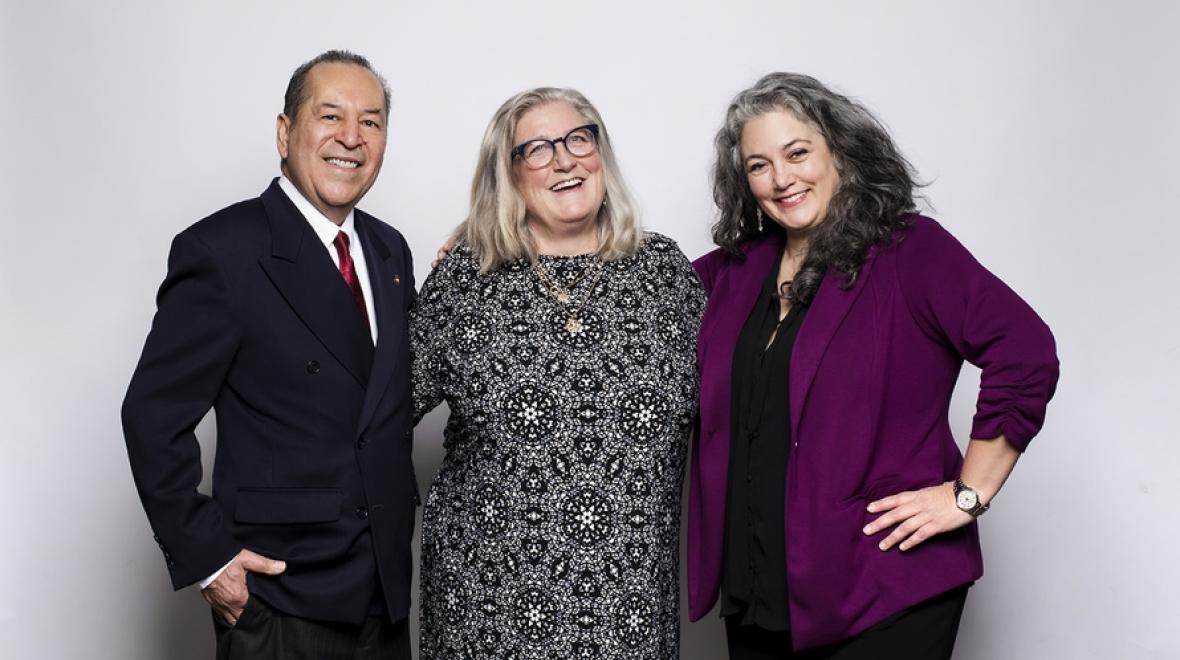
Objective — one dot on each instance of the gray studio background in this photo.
(1048, 131)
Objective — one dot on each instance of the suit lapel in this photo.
(828, 309)
(304, 274)
(388, 280)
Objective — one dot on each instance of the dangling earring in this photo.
(759, 220)
(604, 201)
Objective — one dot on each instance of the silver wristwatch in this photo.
(967, 499)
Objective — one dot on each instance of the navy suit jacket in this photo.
(313, 422)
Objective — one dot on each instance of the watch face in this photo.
(966, 499)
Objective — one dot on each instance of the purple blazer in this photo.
(871, 377)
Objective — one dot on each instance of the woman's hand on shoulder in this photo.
(916, 515)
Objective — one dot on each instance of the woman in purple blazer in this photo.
(831, 511)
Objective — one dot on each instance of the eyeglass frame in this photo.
(518, 150)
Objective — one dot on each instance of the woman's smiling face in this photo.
(790, 170)
(568, 191)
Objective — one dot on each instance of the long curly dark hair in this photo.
(876, 187)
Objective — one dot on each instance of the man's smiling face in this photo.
(332, 149)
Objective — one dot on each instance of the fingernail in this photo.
(881, 545)
(871, 508)
(868, 529)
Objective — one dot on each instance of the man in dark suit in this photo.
(286, 314)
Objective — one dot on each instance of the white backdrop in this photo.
(1048, 131)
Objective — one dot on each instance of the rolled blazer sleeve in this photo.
(958, 302)
(190, 348)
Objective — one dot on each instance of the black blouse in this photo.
(754, 583)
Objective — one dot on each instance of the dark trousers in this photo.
(262, 633)
(925, 631)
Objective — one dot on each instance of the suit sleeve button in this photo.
(361, 442)
(313, 367)
(362, 512)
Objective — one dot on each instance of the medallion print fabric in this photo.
(551, 529)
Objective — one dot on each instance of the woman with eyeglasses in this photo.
(831, 513)
(562, 337)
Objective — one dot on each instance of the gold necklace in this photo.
(560, 293)
(573, 321)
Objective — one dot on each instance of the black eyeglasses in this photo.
(582, 141)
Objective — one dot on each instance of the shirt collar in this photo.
(324, 228)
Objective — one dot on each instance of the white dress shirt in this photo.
(326, 231)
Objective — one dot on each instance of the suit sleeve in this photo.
(958, 302)
(412, 288)
(188, 351)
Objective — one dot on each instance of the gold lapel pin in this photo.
(397, 280)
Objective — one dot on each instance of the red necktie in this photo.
(349, 273)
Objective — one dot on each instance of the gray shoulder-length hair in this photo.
(875, 193)
(495, 227)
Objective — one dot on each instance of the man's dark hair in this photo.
(297, 87)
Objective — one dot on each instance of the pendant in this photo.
(559, 294)
(573, 325)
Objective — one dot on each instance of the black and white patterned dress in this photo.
(551, 528)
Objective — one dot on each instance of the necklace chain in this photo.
(562, 295)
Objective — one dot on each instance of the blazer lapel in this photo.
(737, 295)
(388, 281)
(828, 309)
(304, 274)
(730, 301)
